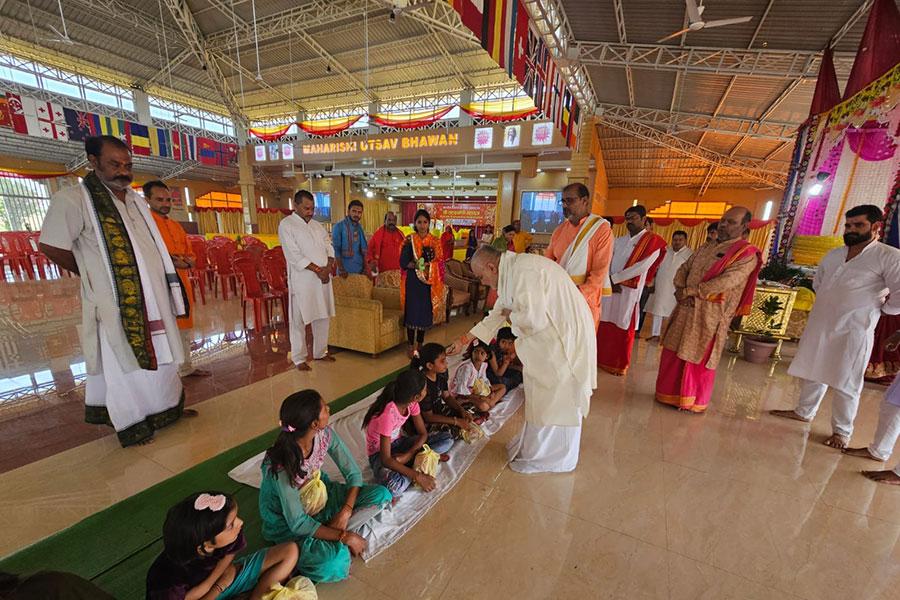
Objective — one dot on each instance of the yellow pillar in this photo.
(581, 155)
(601, 179)
(506, 200)
(248, 188)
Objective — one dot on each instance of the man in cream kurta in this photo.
(662, 299)
(557, 346)
(135, 401)
(853, 285)
(310, 259)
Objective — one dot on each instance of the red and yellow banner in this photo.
(328, 126)
(29, 174)
(270, 133)
(410, 119)
(510, 109)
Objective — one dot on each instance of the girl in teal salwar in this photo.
(298, 501)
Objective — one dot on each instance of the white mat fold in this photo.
(381, 529)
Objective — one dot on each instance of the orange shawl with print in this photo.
(434, 277)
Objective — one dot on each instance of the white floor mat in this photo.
(381, 529)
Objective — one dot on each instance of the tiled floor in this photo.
(732, 504)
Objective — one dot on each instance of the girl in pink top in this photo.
(391, 453)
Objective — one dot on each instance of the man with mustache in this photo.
(715, 283)
(130, 292)
(159, 198)
(635, 258)
(582, 245)
(853, 285)
(384, 250)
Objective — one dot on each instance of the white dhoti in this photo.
(299, 349)
(545, 449)
(138, 402)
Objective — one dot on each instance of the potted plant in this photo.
(758, 348)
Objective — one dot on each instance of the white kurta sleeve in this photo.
(63, 223)
(329, 247)
(291, 246)
(487, 329)
(634, 270)
(892, 281)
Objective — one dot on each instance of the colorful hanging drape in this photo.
(328, 126)
(220, 220)
(410, 119)
(268, 219)
(510, 109)
(270, 133)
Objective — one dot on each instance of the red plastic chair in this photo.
(16, 255)
(274, 270)
(256, 251)
(202, 273)
(251, 291)
(249, 240)
(224, 271)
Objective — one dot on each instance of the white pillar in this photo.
(466, 96)
(142, 106)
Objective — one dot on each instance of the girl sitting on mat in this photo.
(391, 454)
(503, 364)
(471, 383)
(201, 536)
(440, 409)
(298, 501)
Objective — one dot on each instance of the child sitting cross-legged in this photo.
(441, 411)
(391, 453)
(504, 367)
(298, 501)
(470, 383)
(201, 537)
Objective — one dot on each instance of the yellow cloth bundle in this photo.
(473, 434)
(481, 388)
(298, 588)
(427, 461)
(805, 299)
(314, 494)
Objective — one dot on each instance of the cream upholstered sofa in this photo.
(367, 318)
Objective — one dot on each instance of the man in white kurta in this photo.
(662, 299)
(135, 400)
(310, 260)
(888, 429)
(557, 346)
(853, 285)
(635, 257)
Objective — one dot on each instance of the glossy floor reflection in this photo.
(664, 505)
(42, 368)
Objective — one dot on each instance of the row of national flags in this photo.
(505, 32)
(39, 118)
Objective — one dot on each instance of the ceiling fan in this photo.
(696, 22)
(62, 37)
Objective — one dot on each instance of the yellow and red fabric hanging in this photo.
(509, 109)
(30, 174)
(328, 126)
(410, 119)
(270, 133)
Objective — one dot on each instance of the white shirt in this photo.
(662, 301)
(304, 243)
(850, 297)
(619, 308)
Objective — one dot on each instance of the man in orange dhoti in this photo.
(159, 198)
(635, 259)
(716, 283)
(582, 245)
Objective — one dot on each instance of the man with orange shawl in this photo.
(716, 283)
(158, 196)
(582, 245)
(635, 259)
(422, 285)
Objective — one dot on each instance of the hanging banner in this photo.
(460, 213)
(326, 127)
(270, 133)
(410, 119)
(498, 111)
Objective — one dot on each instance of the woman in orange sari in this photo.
(422, 288)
